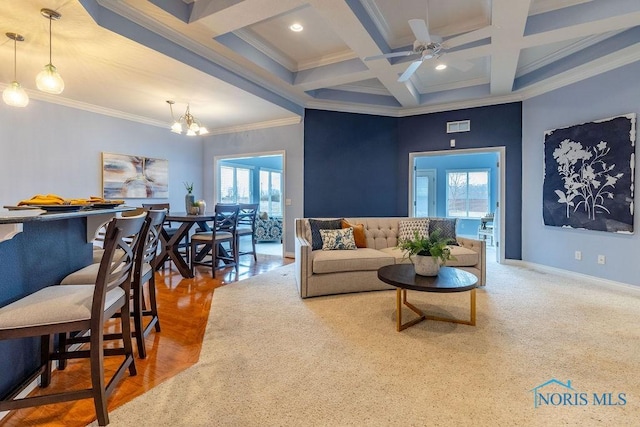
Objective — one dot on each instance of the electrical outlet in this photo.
(601, 259)
(578, 255)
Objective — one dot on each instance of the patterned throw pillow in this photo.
(342, 239)
(316, 225)
(407, 228)
(446, 227)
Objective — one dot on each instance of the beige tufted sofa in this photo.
(336, 272)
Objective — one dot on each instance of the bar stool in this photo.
(142, 273)
(62, 309)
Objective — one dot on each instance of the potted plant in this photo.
(430, 252)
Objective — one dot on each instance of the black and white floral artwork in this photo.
(589, 175)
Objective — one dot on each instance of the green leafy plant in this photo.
(188, 186)
(433, 245)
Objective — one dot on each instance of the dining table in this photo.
(170, 244)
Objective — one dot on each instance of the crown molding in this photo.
(84, 106)
(254, 126)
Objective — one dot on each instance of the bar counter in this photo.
(35, 252)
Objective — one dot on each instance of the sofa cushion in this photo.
(357, 260)
(407, 228)
(316, 225)
(446, 227)
(464, 257)
(340, 240)
(358, 233)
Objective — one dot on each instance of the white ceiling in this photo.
(239, 66)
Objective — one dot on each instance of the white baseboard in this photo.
(567, 273)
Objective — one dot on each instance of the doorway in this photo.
(256, 178)
(465, 184)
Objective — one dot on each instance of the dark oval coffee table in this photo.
(449, 279)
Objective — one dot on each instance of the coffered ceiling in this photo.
(238, 64)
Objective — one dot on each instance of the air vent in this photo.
(459, 126)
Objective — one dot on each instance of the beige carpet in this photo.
(272, 359)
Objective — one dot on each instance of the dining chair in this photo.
(247, 227)
(225, 223)
(62, 309)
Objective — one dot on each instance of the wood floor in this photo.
(183, 306)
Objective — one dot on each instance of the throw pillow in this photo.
(446, 227)
(407, 228)
(316, 225)
(358, 233)
(341, 239)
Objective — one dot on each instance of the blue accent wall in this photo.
(350, 164)
(491, 126)
(358, 164)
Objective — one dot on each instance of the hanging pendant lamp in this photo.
(49, 80)
(14, 95)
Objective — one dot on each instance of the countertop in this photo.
(28, 215)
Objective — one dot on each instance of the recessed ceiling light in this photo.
(441, 67)
(296, 27)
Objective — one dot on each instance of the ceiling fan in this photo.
(425, 45)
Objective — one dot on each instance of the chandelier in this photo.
(187, 122)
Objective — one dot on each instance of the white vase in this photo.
(426, 265)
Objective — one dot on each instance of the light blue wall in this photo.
(48, 148)
(285, 138)
(608, 95)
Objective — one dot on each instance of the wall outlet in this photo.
(578, 255)
(601, 259)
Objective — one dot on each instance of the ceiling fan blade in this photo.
(410, 70)
(390, 55)
(420, 30)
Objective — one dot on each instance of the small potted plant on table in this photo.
(429, 252)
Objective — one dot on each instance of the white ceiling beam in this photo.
(347, 25)
(582, 30)
(508, 17)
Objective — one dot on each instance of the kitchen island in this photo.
(38, 250)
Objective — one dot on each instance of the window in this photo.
(467, 193)
(270, 192)
(235, 184)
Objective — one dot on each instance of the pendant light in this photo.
(48, 80)
(14, 95)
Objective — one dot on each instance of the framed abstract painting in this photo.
(134, 177)
(589, 175)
